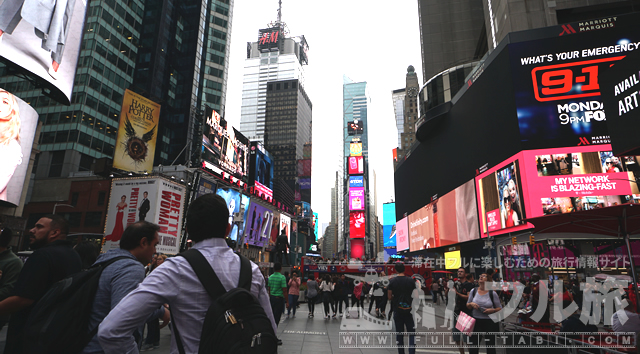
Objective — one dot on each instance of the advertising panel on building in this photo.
(355, 127)
(389, 223)
(619, 85)
(269, 39)
(224, 149)
(258, 226)
(356, 224)
(234, 201)
(315, 225)
(500, 197)
(452, 260)
(43, 38)
(151, 199)
(18, 122)
(355, 149)
(137, 133)
(357, 199)
(402, 234)
(304, 167)
(305, 183)
(205, 186)
(261, 173)
(285, 226)
(356, 181)
(275, 229)
(356, 165)
(583, 178)
(557, 91)
(449, 219)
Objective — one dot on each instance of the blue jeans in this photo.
(293, 303)
(404, 323)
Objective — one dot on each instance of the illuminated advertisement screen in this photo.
(556, 82)
(18, 122)
(356, 224)
(402, 235)
(356, 199)
(500, 201)
(452, 260)
(578, 178)
(356, 181)
(137, 133)
(450, 219)
(205, 186)
(224, 147)
(304, 167)
(43, 38)
(258, 225)
(269, 38)
(285, 226)
(355, 128)
(262, 167)
(389, 222)
(305, 183)
(234, 199)
(356, 165)
(355, 149)
(316, 223)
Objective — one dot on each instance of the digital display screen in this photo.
(224, 147)
(355, 149)
(357, 224)
(402, 235)
(356, 181)
(356, 165)
(452, 260)
(357, 199)
(355, 128)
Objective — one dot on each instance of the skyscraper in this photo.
(406, 112)
(274, 57)
(355, 212)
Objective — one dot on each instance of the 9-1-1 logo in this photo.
(556, 82)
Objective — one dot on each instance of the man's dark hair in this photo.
(399, 267)
(208, 217)
(59, 223)
(5, 237)
(135, 232)
(277, 267)
(469, 276)
(463, 269)
(535, 278)
(489, 272)
(88, 252)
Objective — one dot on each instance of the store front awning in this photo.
(609, 221)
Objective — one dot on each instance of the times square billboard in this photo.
(224, 149)
(541, 89)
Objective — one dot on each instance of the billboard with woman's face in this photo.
(43, 37)
(18, 122)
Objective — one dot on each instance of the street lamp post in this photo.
(56, 205)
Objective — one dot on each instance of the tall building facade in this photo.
(356, 208)
(288, 129)
(405, 105)
(273, 57)
(397, 97)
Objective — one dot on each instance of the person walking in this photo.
(483, 302)
(294, 293)
(278, 293)
(400, 292)
(343, 295)
(462, 287)
(326, 287)
(52, 261)
(137, 246)
(335, 295)
(312, 294)
(434, 291)
(175, 283)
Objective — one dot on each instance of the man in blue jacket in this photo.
(138, 244)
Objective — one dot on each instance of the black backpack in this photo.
(235, 322)
(59, 321)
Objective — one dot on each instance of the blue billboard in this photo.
(389, 224)
(356, 181)
(234, 199)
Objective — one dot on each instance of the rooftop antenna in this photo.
(279, 11)
(278, 23)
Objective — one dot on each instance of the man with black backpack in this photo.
(207, 290)
(53, 259)
(400, 293)
(123, 274)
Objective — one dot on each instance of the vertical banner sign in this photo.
(150, 199)
(18, 123)
(137, 133)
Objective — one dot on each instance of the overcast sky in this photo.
(372, 41)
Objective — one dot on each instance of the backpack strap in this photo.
(246, 274)
(205, 273)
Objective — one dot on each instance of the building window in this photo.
(74, 198)
(57, 160)
(101, 197)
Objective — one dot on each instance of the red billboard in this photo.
(357, 224)
(356, 165)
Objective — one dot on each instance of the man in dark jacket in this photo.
(52, 261)
(144, 206)
(282, 245)
(10, 266)
(138, 244)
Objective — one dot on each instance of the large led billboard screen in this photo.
(151, 199)
(43, 38)
(556, 82)
(357, 199)
(261, 173)
(355, 128)
(450, 219)
(258, 227)
(355, 149)
(234, 200)
(356, 165)
(402, 235)
(18, 122)
(137, 133)
(357, 224)
(389, 222)
(224, 147)
(356, 181)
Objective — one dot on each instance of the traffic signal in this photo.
(514, 241)
(246, 245)
(532, 239)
